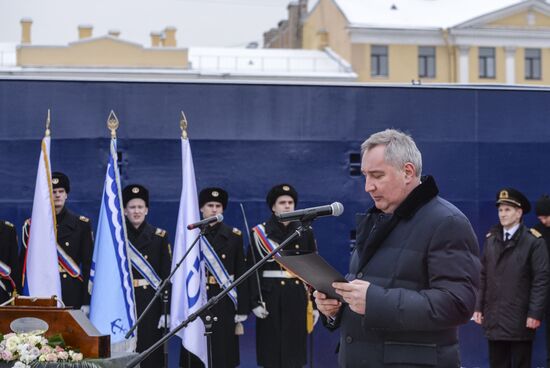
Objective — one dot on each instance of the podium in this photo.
(77, 330)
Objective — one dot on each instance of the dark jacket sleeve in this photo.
(87, 252)
(539, 280)
(240, 268)
(480, 300)
(449, 298)
(13, 257)
(253, 290)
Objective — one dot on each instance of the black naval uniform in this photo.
(8, 255)
(281, 338)
(514, 286)
(228, 244)
(74, 235)
(154, 245)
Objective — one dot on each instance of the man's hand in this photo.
(260, 312)
(354, 293)
(86, 310)
(329, 307)
(532, 323)
(478, 317)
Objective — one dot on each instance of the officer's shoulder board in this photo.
(535, 233)
(160, 232)
(237, 231)
(7, 223)
(84, 219)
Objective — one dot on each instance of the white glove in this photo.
(240, 318)
(161, 324)
(260, 312)
(86, 310)
(315, 316)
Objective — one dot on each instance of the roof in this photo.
(214, 63)
(428, 14)
(267, 61)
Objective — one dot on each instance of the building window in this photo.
(486, 62)
(532, 64)
(379, 61)
(426, 62)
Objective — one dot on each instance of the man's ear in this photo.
(410, 171)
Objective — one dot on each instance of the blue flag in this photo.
(112, 307)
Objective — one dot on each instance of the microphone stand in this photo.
(160, 290)
(305, 226)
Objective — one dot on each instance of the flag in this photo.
(41, 270)
(188, 283)
(112, 306)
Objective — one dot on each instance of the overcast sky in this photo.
(198, 22)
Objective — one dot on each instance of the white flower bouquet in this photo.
(24, 349)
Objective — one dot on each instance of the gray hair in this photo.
(400, 149)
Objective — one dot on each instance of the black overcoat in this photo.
(514, 284)
(154, 245)
(423, 266)
(281, 338)
(8, 255)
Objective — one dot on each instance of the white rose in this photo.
(11, 343)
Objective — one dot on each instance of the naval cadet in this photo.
(232, 310)
(9, 270)
(75, 238)
(281, 324)
(154, 246)
(514, 283)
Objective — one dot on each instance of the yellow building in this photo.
(435, 41)
(107, 51)
(111, 57)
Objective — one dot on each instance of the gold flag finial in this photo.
(112, 123)
(48, 124)
(183, 126)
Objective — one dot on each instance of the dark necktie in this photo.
(506, 236)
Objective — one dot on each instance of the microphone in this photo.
(335, 209)
(206, 221)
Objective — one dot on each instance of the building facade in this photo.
(437, 41)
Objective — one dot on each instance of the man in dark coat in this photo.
(414, 271)
(514, 283)
(154, 246)
(8, 257)
(227, 242)
(542, 210)
(281, 325)
(74, 236)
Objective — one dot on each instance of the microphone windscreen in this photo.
(337, 208)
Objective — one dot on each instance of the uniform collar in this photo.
(133, 230)
(59, 217)
(510, 231)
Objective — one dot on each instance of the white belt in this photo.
(278, 274)
(140, 282)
